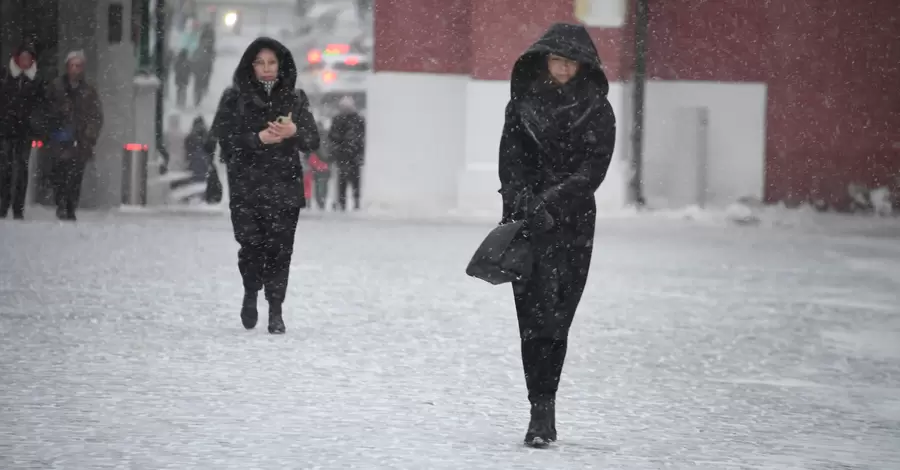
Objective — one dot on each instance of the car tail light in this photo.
(314, 56)
(351, 60)
(334, 49)
(329, 76)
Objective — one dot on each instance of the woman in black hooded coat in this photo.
(265, 173)
(556, 147)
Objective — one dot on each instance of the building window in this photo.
(141, 32)
(601, 13)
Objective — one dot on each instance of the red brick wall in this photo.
(503, 29)
(833, 110)
(478, 37)
(428, 36)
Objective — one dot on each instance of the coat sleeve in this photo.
(512, 166)
(94, 117)
(591, 173)
(227, 126)
(307, 130)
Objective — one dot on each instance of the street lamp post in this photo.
(639, 90)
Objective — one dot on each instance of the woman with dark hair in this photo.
(556, 147)
(263, 125)
(21, 94)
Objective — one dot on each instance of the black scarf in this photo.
(551, 112)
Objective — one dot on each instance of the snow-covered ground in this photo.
(696, 346)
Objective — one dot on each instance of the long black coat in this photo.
(258, 171)
(556, 160)
(347, 138)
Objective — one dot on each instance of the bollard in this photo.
(134, 174)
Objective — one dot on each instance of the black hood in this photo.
(199, 124)
(287, 68)
(567, 40)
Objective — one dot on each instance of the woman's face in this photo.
(25, 60)
(561, 69)
(266, 65)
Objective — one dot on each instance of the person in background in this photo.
(76, 118)
(263, 125)
(182, 68)
(557, 144)
(320, 170)
(21, 94)
(346, 143)
(198, 149)
(203, 61)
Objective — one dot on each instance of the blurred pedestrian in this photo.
(346, 144)
(76, 118)
(21, 96)
(202, 63)
(556, 147)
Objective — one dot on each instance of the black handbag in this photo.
(504, 256)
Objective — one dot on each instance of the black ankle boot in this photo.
(276, 322)
(249, 313)
(542, 427)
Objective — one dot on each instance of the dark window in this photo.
(114, 23)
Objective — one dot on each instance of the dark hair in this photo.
(25, 47)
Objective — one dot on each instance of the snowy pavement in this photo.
(694, 347)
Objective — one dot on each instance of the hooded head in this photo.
(199, 125)
(23, 60)
(347, 104)
(249, 69)
(562, 40)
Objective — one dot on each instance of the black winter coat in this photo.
(258, 170)
(20, 96)
(347, 138)
(557, 141)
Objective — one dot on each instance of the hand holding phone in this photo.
(284, 119)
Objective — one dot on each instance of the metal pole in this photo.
(640, 79)
(161, 73)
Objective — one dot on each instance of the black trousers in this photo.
(68, 174)
(545, 308)
(14, 155)
(348, 175)
(265, 228)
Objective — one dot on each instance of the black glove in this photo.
(533, 210)
(539, 219)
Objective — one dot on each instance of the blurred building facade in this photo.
(107, 32)
(782, 101)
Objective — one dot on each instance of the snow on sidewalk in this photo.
(693, 348)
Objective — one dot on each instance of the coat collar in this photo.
(16, 71)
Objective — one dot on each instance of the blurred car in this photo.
(333, 72)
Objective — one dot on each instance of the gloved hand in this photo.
(533, 209)
(539, 219)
